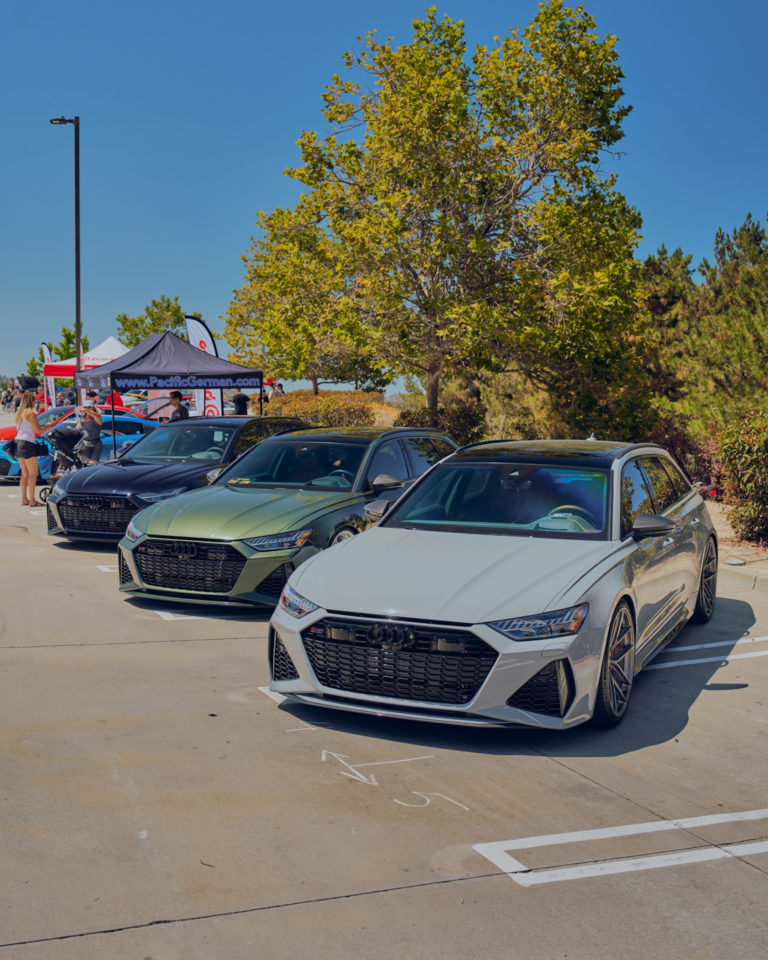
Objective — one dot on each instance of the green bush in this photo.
(333, 408)
(744, 455)
(465, 424)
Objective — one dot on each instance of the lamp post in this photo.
(78, 326)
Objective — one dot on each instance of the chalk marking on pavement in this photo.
(353, 771)
(175, 616)
(106, 568)
(497, 852)
(426, 799)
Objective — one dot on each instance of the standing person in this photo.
(278, 391)
(179, 411)
(26, 448)
(89, 448)
(240, 401)
(39, 399)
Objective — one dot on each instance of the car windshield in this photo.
(521, 499)
(297, 463)
(53, 413)
(192, 442)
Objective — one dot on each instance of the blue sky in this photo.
(191, 110)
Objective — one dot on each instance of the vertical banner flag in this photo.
(50, 386)
(208, 403)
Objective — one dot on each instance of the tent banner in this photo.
(185, 381)
(50, 386)
(208, 403)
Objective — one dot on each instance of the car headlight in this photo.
(58, 493)
(279, 541)
(154, 496)
(543, 626)
(132, 532)
(295, 604)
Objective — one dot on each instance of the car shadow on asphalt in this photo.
(662, 698)
(86, 546)
(242, 614)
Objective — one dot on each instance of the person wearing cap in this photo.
(179, 411)
(89, 424)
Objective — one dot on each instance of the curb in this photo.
(742, 579)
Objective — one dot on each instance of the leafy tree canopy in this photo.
(456, 215)
(159, 315)
(62, 350)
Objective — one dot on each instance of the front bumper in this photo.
(549, 684)
(205, 571)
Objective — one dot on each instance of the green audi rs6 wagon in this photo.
(238, 540)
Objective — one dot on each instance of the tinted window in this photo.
(512, 498)
(635, 495)
(203, 442)
(442, 446)
(255, 432)
(679, 481)
(422, 453)
(388, 458)
(129, 426)
(664, 493)
(297, 463)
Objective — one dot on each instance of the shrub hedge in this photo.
(333, 408)
(744, 455)
(464, 424)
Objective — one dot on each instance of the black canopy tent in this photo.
(166, 362)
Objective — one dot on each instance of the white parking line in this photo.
(175, 616)
(498, 854)
(690, 663)
(277, 697)
(106, 568)
(716, 643)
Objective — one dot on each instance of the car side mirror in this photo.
(385, 482)
(651, 525)
(376, 509)
(214, 474)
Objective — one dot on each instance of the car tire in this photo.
(707, 592)
(346, 533)
(617, 670)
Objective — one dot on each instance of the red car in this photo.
(54, 415)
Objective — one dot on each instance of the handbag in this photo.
(10, 448)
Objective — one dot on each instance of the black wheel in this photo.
(617, 670)
(43, 493)
(346, 533)
(707, 595)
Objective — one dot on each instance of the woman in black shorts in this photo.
(26, 448)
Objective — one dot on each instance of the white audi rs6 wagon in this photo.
(515, 583)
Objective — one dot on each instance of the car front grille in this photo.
(5, 467)
(189, 565)
(50, 519)
(273, 585)
(393, 658)
(550, 691)
(125, 570)
(283, 667)
(96, 514)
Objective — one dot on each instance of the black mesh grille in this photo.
(189, 565)
(52, 525)
(125, 573)
(96, 514)
(391, 658)
(5, 467)
(273, 585)
(549, 691)
(280, 660)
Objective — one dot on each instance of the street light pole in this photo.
(78, 323)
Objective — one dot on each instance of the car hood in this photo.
(461, 578)
(126, 477)
(221, 512)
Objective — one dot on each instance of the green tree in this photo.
(470, 224)
(63, 350)
(159, 316)
(289, 315)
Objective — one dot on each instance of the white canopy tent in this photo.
(106, 352)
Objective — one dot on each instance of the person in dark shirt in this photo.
(240, 401)
(179, 411)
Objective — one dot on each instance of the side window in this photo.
(635, 495)
(248, 436)
(679, 481)
(388, 459)
(442, 446)
(422, 454)
(130, 426)
(664, 494)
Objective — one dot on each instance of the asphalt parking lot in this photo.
(157, 802)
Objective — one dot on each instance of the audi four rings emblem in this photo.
(184, 551)
(391, 637)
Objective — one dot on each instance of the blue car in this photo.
(127, 431)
